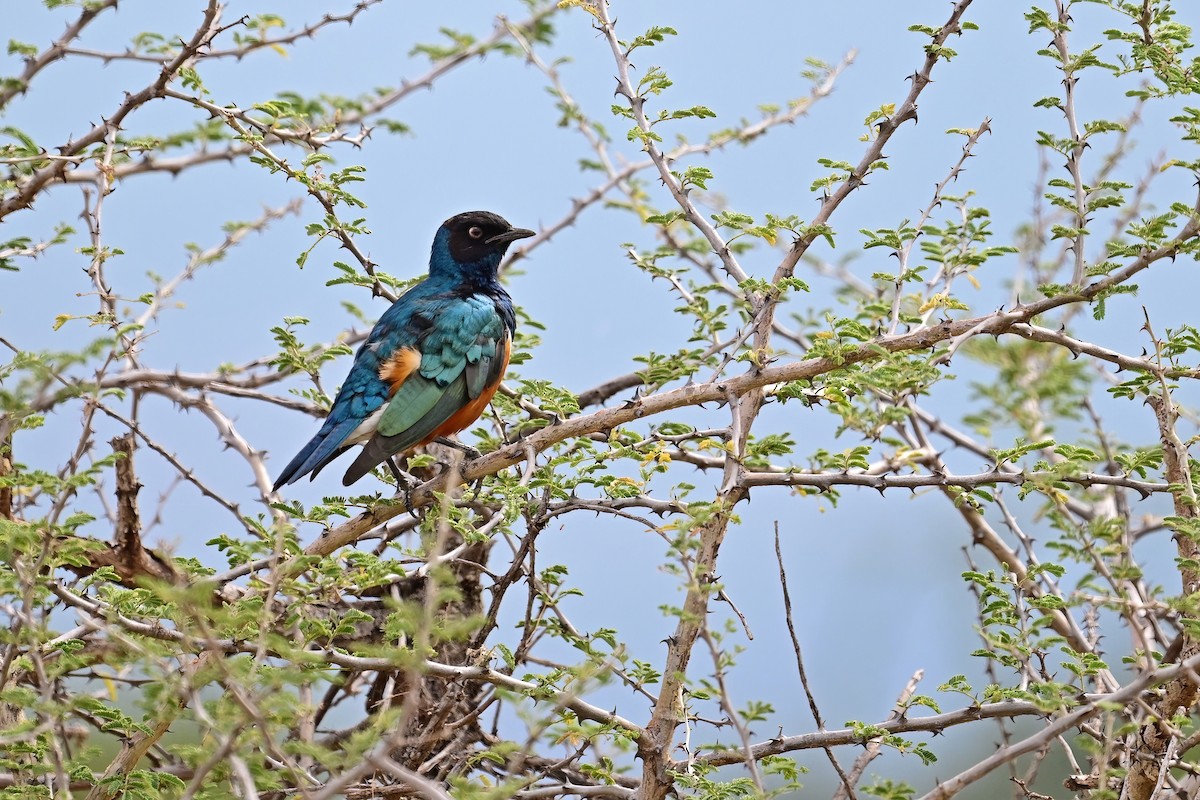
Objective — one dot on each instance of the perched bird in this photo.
(432, 362)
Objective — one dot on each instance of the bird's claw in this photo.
(405, 482)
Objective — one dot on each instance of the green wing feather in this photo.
(415, 398)
(449, 399)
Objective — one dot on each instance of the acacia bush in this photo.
(382, 643)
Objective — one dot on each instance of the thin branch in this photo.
(847, 783)
(637, 103)
(54, 52)
(827, 480)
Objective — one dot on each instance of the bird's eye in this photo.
(475, 232)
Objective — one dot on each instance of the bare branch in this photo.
(55, 51)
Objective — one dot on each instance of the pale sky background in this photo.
(875, 582)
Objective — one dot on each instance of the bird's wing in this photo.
(463, 353)
(380, 362)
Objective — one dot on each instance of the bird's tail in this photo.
(327, 445)
(373, 454)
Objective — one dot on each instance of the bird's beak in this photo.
(510, 235)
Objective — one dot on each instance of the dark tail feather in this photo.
(323, 448)
(372, 454)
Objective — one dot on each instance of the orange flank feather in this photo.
(396, 369)
(472, 410)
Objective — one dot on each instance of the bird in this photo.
(433, 361)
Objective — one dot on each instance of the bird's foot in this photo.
(470, 452)
(405, 482)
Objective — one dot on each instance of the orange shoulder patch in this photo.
(396, 369)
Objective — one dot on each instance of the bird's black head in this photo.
(479, 236)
